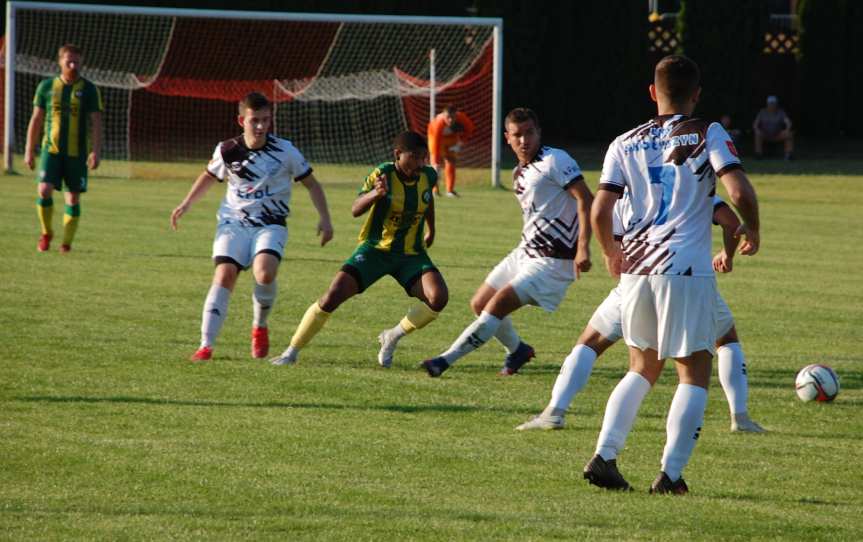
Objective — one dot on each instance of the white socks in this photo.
(215, 311)
(573, 376)
(263, 297)
(620, 412)
(507, 335)
(475, 335)
(732, 376)
(683, 427)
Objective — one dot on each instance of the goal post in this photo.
(342, 85)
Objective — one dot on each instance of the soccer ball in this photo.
(817, 382)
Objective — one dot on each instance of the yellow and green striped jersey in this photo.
(396, 222)
(67, 114)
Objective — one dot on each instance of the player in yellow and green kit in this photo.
(68, 108)
(393, 241)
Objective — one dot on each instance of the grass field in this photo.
(107, 432)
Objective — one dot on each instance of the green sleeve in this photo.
(369, 183)
(41, 97)
(93, 101)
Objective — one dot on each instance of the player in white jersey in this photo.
(604, 329)
(260, 170)
(668, 289)
(555, 239)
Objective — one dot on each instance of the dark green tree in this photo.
(725, 39)
(823, 66)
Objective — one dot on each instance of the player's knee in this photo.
(265, 276)
(477, 303)
(334, 297)
(438, 299)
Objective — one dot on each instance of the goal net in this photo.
(342, 86)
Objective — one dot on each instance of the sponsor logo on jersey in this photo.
(659, 144)
(251, 193)
(398, 218)
(427, 195)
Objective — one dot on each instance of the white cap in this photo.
(772, 100)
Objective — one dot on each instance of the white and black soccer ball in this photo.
(817, 382)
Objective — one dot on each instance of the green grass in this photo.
(106, 432)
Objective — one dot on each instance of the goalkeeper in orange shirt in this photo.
(447, 134)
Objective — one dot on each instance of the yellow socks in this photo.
(418, 317)
(312, 322)
(70, 222)
(45, 210)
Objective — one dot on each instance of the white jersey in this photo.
(550, 213)
(259, 180)
(669, 167)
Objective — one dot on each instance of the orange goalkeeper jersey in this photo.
(441, 137)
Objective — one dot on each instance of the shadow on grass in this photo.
(406, 409)
(792, 499)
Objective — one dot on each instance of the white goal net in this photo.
(342, 86)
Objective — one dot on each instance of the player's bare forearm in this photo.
(95, 139)
(585, 199)
(319, 200)
(363, 203)
(203, 183)
(728, 221)
(601, 213)
(318, 197)
(742, 195)
(34, 133)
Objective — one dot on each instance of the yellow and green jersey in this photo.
(396, 222)
(67, 114)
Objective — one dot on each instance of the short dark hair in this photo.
(254, 101)
(677, 77)
(69, 48)
(521, 114)
(409, 141)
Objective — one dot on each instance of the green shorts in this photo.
(367, 264)
(57, 169)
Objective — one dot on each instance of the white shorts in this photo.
(724, 318)
(536, 281)
(606, 317)
(674, 315)
(243, 243)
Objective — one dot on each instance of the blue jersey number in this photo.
(663, 176)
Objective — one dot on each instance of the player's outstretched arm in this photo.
(203, 183)
(365, 201)
(319, 200)
(34, 133)
(584, 197)
(742, 195)
(723, 262)
(601, 218)
(96, 139)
